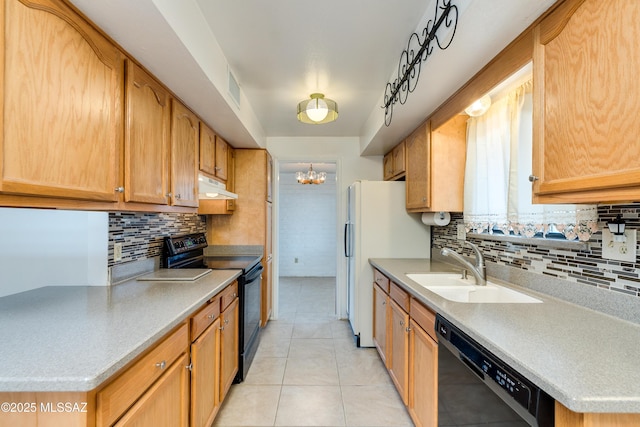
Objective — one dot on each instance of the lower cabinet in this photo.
(423, 367)
(404, 333)
(228, 346)
(181, 381)
(398, 362)
(380, 321)
(166, 403)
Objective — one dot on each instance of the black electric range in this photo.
(187, 251)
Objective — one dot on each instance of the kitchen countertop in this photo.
(584, 359)
(73, 338)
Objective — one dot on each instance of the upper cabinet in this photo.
(394, 163)
(213, 153)
(435, 167)
(586, 63)
(146, 144)
(62, 86)
(185, 136)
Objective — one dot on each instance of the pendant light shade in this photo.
(317, 110)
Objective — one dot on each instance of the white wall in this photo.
(345, 152)
(52, 247)
(307, 224)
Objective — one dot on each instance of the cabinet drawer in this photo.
(424, 317)
(228, 295)
(121, 393)
(400, 296)
(202, 319)
(381, 280)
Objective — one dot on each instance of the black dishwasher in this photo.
(465, 399)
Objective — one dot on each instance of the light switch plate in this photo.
(117, 251)
(461, 233)
(621, 251)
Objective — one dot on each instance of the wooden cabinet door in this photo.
(146, 143)
(62, 104)
(222, 149)
(399, 354)
(418, 155)
(205, 376)
(184, 145)
(423, 377)
(207, 150)
(380, 318)
(585, 146)
(166, 403)
(228, 347)
(387, 165)
(399, 159)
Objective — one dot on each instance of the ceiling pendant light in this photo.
(317, 110)
(311, 176)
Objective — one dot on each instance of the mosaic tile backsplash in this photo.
(142, 234)
(583, 266)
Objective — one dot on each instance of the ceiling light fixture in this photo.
(317, 110)
(479, 107)
(311, 176)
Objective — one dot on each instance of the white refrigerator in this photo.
(378, 226)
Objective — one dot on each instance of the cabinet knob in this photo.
(211, 316)
(119, 189)
(424, 199)
(169, 194)
(533, 178)
(189, 366)
(178, 196)
(226, 321)
(161, 365)
(222, 328)
(402, 323)
(408, 329)
(234, 295)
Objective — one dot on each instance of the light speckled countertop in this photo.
(584, 359)
(73, 338)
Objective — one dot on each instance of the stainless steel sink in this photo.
(453, 288)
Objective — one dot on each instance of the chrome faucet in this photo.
(479, 271)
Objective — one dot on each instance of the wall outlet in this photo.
(117, 251)
(461, 233)
(621, 251)
(295, 260)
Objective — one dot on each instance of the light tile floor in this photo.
(308, 371)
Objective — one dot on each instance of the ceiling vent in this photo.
(234, 87)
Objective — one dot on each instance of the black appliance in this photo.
(187, 251)
(530, 403)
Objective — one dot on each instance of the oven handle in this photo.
(254, 274)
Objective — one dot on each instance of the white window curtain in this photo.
(497, 191)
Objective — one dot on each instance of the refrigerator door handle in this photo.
(346, 239)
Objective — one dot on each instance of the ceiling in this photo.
(280, 52)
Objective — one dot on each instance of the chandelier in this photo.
(317, 110)
(311, 176)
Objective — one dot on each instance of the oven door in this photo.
(249, 285)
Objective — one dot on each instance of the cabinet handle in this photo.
(189, 366)
(119, 189)
(533, 178)
(161, 365)
(211, 316)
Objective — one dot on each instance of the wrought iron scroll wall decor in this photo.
(417, 51)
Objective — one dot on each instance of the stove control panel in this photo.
(181, 244)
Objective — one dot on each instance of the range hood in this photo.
(210, 189)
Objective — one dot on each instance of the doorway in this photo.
(307, 240)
